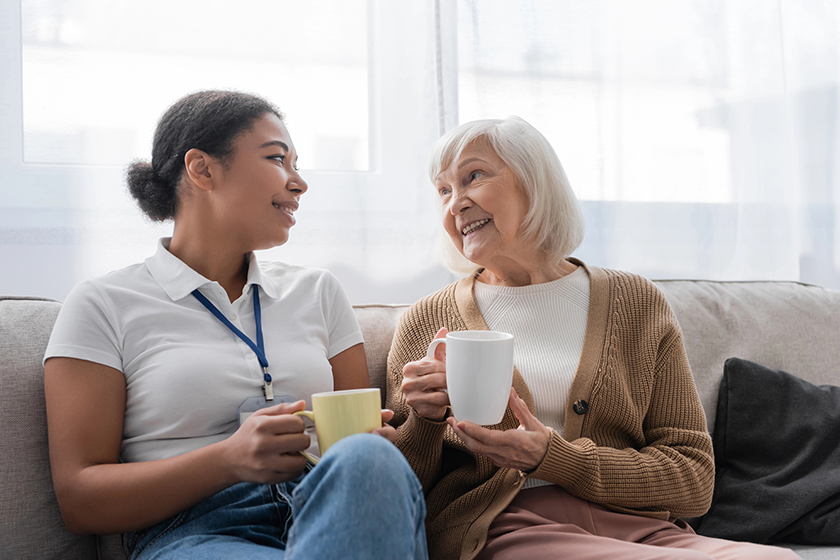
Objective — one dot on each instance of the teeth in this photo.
(474, 226)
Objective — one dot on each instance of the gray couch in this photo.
(782, 325)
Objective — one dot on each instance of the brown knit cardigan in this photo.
(635, 432)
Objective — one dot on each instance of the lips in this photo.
(288, 208)
(469, 228)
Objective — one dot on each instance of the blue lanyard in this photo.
(259, 347)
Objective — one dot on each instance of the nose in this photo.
(459, 201)
(297, 184)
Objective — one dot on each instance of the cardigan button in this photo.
(580, 407)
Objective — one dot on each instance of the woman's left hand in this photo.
(522, 448)
(386, 431)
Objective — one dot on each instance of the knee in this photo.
(371, 457)
(365, 450)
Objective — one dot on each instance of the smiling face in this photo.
(483, 207)
(259, 186)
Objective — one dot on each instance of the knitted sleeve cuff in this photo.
(565, 463)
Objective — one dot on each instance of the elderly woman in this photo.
(604, 446)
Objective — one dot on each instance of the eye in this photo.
(475, 175)
(281, 158)
(443, 191)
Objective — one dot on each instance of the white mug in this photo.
(479, 374)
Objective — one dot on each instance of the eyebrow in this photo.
(275, 143)
(468, 161)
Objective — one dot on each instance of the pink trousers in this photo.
(549, 523)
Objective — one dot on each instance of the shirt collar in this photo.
(255, 276)
(178, 280)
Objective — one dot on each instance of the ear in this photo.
(199, 166)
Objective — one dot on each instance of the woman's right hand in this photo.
(266, 447)
(424, 383)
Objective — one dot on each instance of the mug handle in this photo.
(430, 353)
(309, 414)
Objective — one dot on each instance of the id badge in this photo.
(253, 404)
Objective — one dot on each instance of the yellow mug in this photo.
(338, 414)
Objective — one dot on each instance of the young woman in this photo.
(147, 368)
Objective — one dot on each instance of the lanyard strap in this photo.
(259, 347)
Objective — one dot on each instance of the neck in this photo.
(215, 261)
(516, 274)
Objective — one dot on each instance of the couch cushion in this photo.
(30, 518)
(378, 322)
(781, 325)
(777, 458)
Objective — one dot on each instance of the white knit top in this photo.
(548, 323)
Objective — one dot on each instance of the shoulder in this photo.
(429, 314)
(112, 287)
(279, 269)
(435, 307)
(419, 324)
(635, 299)
(285, 275)
(91, 322)
(627, 287)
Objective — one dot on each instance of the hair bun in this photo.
(154, 195)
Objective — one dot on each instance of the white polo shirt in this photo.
(186, 373)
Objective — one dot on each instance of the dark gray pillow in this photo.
(777, 458)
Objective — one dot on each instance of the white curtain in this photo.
(701, 136)
(84, 82)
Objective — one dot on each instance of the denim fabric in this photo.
(361, 501)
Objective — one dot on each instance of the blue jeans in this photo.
(361, 501)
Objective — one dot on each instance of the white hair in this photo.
(554, 221)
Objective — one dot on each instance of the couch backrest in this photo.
(378, 322)
(781, 325)
(30, 521)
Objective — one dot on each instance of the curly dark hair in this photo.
(209, 121)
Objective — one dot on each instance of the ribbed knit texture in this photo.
(641, 447)
(548, 322)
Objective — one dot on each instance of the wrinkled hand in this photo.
(424, 383)
(266, 447)
(522, 448)
(387, 431)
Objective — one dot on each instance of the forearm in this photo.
(419, 439)
(121, 497)
(421, 442)
(666, 476)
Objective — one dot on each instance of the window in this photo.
(97, 74)
(87, 80)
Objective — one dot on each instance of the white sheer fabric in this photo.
(85, 80)
(701, 136)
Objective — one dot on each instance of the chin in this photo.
(271, 244)
(474, 257)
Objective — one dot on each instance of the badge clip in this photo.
(268, 389)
